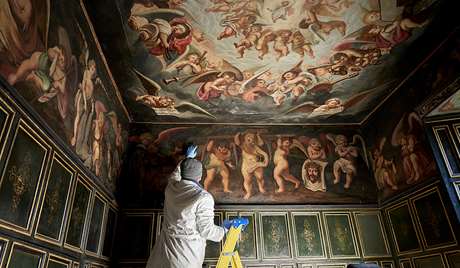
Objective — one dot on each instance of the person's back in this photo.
(188, 222)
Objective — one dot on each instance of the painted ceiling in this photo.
(255, 61)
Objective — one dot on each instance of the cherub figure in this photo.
(98, 136)
(281, 171)
(416, 163)
(300, 45)
(192, 64)
(281, 11)
(346, 162)
(162, 37)
(234, 25)
(294, 82)
(315, 150)
(217, 162)
(384, 170)
(250, 39)
(280, 44)
(215, 88)
(254, 160)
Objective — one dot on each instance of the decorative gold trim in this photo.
(405, 260)
(103, 230)
(392, 264)
(104, 61)
(115, 211)
(388, 211)
(353, 235)
(220, 216)
(288, 233)
(58, 259)
(456, 185)
(443, 150)
(255, 233)
(3, 250)
(59, 159)
(80, 179)
(447, 254)
(75, 264)
(330, 265)
(88, 252)
(5, 131)
(30, 250)
(152, 228)
(414, 259)
(419, 225)
(356, 214)
(321, 233)
(158, 224)
(29, 131)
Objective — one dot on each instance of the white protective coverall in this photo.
(188, 223)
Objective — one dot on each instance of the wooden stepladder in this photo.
(229, 254)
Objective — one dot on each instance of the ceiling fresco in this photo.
(255, 61)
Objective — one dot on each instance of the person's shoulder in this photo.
(206, 196)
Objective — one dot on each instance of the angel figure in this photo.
(251, 37)
(384, 170)
(218, 162)
(293, 82)
(346, 162)
(215, 83)
(415, 160)
(254, 87)
(165, 33)
(53, 72)
(254, 160)
(331, 106)
(281, 11)
(281, 171)
(162, 104)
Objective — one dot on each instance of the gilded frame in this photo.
(5, 130)
(321, 233)
(353, 234)
(388, 211)
(29, 249)
(288, 234)
(75, 264)
(331, 265)
(403, 262)
(447, 254)
(304, 265)
(115, 211)
(419, 225)
(104, 211)
(391, 263)
(33, 134)
(382, 228)
(151, 215)
(80, 179)
(220, 216)
(255, 233)
(3, 250)
(414, 259)
(64, 163)
(456, 185)
(58, 259)
(443, 150)
(159, 222)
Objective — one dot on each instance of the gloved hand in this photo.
(191, 151)
(227, 224)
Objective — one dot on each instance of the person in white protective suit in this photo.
(188, 219)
